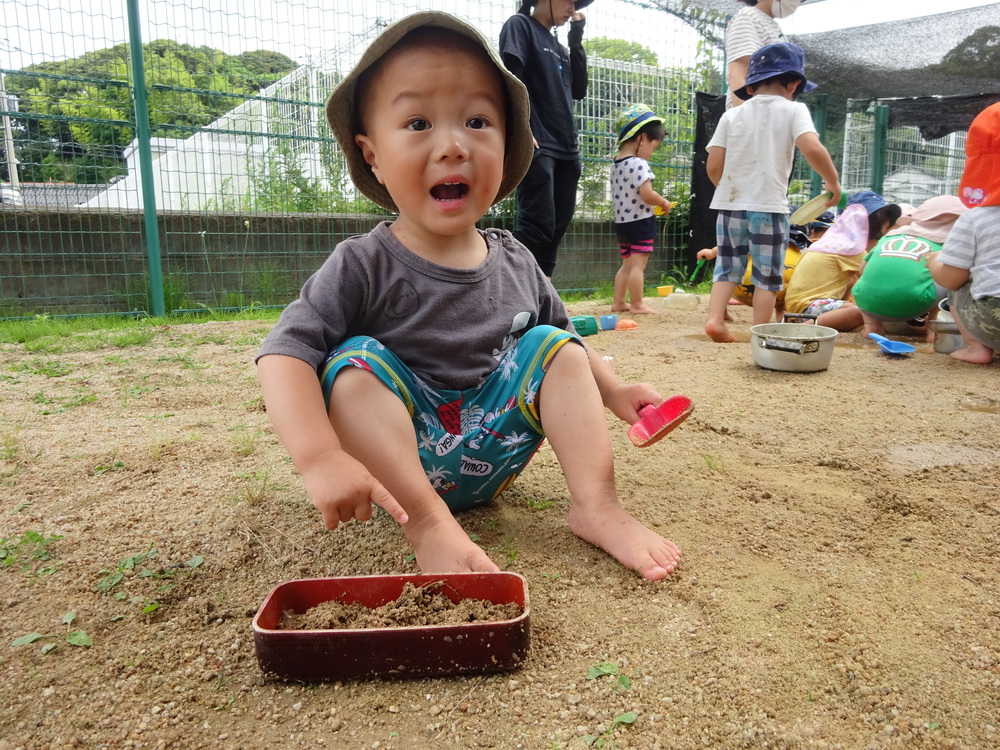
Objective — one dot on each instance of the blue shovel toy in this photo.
(888, 346)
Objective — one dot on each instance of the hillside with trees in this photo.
(75, 117)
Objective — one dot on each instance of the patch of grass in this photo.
(30, 552)
(50, 368)
(254, 486)
(540, 504)
(713, 463)
(77, 638)
(59, 404)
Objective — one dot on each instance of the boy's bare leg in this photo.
(718, 300)
(576, 425)
(870, 326)
(618, 303)
(974, 352)
(844, 319)
(763, 306)
(373, 426)
(637, 286)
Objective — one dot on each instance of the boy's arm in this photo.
(736, 76)
(818, 157)
(338, 485)
(653, 198)
(623, 399)
(715, 163)
(950, 277)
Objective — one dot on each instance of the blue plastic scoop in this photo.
(888, 346)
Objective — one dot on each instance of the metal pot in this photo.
(946, 336)
(792, 347)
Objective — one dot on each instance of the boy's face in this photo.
(646, 147)
(435, 125)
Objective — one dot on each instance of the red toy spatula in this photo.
(655, 422)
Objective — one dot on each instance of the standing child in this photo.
(969, 263)
(425, 362)
(640, 132)
(554, 77)
(749, 160)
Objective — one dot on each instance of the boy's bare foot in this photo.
(624, 307)
(719, 333)
(621, 535)
(974, 353)
(442, 546)
(644, 310)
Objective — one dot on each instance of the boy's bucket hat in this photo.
(772, 60)
(342, 107)
(632, 121)
(980, 185)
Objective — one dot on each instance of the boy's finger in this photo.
(382, 498)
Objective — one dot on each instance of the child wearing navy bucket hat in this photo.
(750, 157)
(639, 133)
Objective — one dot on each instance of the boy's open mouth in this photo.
(449, 191)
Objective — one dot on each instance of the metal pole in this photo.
(880, 147)
(8, 139)
(143, 138)
(819, 121)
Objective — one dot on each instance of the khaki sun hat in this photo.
(342, 107)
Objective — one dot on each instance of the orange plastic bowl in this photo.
(626, 325)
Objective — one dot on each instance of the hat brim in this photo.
(342, 108)
(637, 126)
(742, 93)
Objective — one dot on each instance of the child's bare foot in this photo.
(719, 333)
(442, 546)
(644, 310)
(623, 307)
(619, 533)
(974, 353)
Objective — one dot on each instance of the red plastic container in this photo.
(311, 655)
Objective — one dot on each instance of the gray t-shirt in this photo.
(451, 326)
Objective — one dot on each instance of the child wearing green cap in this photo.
(424, 362)
(639, 132)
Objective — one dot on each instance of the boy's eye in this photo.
(477, 123)
(418, 125)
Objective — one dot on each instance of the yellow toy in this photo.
(744, 291)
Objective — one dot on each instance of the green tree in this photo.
(76, 116)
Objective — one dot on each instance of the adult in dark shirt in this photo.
(554, 77)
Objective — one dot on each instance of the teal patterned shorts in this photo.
(472, 443)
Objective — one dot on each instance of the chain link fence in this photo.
(175, 157)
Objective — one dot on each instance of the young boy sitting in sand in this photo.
(425, 362)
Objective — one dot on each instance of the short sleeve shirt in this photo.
(759, 138)
(974, 244)
(627, 176)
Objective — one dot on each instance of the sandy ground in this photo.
(839, 588)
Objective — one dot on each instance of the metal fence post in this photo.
(143, 136)
(819, 116)
(880, 142)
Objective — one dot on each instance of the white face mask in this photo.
(784, 8)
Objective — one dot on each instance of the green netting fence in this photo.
(172, 155)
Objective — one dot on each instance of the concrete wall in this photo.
(87, 261)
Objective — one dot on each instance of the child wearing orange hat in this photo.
(969, 263)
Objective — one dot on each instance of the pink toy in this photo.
(656, 421)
